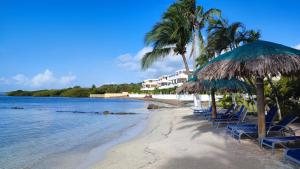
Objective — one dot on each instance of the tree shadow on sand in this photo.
(200, 126)
(214, 156)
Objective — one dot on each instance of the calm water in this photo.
(63, 132)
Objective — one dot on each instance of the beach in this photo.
(175, 139)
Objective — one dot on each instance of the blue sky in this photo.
(61, 43)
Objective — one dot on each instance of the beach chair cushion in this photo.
(235, 117)
(293, 154)
(269, 118)
(275, 140)
(284, 122)
(237, 133)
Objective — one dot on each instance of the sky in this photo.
(61, 43)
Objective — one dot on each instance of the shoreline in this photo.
(172, 102)
(175, 139)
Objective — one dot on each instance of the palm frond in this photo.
(149, 58)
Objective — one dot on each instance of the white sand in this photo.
(175, 139)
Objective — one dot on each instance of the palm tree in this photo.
(201, 18)
(181, 24)
(223, 36)
(171, 34)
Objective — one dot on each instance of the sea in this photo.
(63, 133)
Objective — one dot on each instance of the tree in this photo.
(199, 20)
(223, 36)
(181, 24)
(170, 35)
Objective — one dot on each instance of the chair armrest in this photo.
(281, 128)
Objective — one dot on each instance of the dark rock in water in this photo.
(17, 107)
(118, 113)
(153, 106)
(124, 113)
(77, 112)
(106, 112)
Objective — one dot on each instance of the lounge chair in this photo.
(280, 127)
(271, 142)
(225, 112)
(231, 119)
(203, 112)
(221, 113)
(292, 155)
(269, 119)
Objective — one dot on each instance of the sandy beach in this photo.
(175, 139)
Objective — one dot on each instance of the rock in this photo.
(153, 106)
(17, 107)
(106, 112)
(124, 113)
(118, 113)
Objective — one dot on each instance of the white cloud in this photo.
(42, 78)
(167, 65)
(20, 79)
(64, 80)
(45, 79)
(297, 46)
(3, 80)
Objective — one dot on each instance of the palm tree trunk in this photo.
(214, 107)
(185, 64)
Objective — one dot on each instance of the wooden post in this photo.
(213, 102)
(260, 108)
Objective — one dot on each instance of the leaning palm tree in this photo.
(169, 36)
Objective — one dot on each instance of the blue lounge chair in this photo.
(236, 118)
(280, 127)
(292, 155)
(203, 111)
(207, 114)
(271, 142)
(228, 112)
(269, 119)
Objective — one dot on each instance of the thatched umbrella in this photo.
(232, 85)
(191, 87)
(258, 59)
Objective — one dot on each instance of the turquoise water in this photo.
(62, 132)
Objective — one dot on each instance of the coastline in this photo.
(172, 102)
(175, 139)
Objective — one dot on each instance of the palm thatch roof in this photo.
(232, 85)
(191, 87)
(259, 58)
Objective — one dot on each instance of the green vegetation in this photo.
(287, 90)
(118, 88)
(179, 25)
(78, 91)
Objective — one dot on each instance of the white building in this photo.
(166, 81)
(149, 84)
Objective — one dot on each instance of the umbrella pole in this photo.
(200, 103)
(213, 102)
(260, 108)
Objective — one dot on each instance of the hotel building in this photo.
(166, 81)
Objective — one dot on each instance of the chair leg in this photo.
(240, 136)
